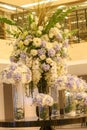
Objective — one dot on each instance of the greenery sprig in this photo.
(57, 16)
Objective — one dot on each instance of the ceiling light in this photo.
(85, 2)
(61, 6)
(37, 3)
(7, 6)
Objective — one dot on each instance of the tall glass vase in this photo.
(19, 101)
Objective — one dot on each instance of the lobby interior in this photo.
(77, 61)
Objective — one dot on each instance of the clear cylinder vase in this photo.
(19, 101)
(53, 91)
(70, 108)
(43, 112)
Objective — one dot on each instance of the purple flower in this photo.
(3, 73)
(28, 76)
(66, 43)
(17, 77)
(79, 96)
(85, 101)
(70, 77)
(43, 43)
(13, 67)
(58, 59)
(78, 82)
(22, 55)
(45, 67)
(38, 100)
(41, 52)
(9, 75)
(59, 80)
(28, 36)
(57, 47)
(12, 58)
(51, 52)
(70, 84)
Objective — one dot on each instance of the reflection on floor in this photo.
(71, 127)
(67, 127)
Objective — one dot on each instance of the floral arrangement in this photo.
(43, 56)
(15, 73)
(81, 102)
(43, 100)
(71, 83)
(43, 43)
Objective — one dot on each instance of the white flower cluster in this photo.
(44, 54)
(43, 100)
(15, 73)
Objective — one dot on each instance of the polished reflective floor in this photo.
(67, 127)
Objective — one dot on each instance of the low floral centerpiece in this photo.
(75, 91)
(16, 73)
(81, 102)
(71, 83)
(43, 104)
(43, 100)
(19, 76)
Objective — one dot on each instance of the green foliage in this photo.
(30, 18)
(57, 16)
(7, 21)
(32, 26)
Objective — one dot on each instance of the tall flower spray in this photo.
(42, 43)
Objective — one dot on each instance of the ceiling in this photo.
(19, 2)
(23, 2)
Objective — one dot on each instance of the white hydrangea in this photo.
(16, 72)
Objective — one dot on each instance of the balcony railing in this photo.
(76, 20)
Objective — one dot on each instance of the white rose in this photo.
(33, 25)
(49, 60)
(47, 100)
(40, 28)
(53, 32)
(42, 57)
(26, 42)
(45, 38)
(39, 32)
(37, 42)
(58, 25)
(49, 45)
(33, 52)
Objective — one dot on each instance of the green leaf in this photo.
(7, 21)
(58, 16)
(52, 20)
(30, 18)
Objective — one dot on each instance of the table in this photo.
(45, 124)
